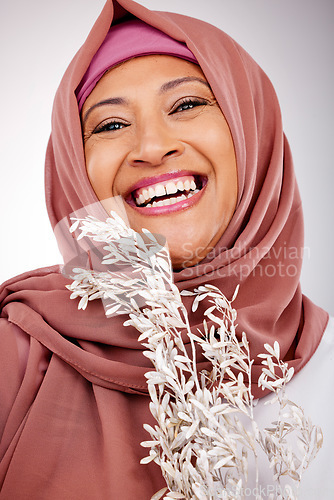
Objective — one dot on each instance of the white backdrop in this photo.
(291, 39)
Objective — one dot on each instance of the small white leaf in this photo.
(175, 322)
(269, 348)
(164, 264)
(159, 494)
(223, 462)
(189, 385)
(192, 429)
(149, 458)
(184, 416)
(149, 234)
(74, 226)
(168, 468)
(83, 302)
(113, 309)
(194, 307)
(290, 373)
(181, 358)
(175, 494)
(149, 444)
(277, 349)
(235, 293)
(209, 432)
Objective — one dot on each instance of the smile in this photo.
(171, 191)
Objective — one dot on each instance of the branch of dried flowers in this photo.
(200, 441)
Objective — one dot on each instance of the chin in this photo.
(188, 253)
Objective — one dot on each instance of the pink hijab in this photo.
(72, 384)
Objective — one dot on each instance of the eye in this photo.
(110, 126)
(187, 104)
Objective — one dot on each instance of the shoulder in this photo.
(28, 308)
(45, 278)
(31, 297)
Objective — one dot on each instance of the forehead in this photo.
(150, 71)
(158, 62)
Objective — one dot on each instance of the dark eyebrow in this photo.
(178, 81)
(164, 88)
(105, 102)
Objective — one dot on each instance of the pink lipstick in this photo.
(166, 193)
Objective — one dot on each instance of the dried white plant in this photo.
(206, 434)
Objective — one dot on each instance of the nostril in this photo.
(170, 153)
(154, 152)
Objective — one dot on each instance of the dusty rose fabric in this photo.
(127, 40)
(72, 388)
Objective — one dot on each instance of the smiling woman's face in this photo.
(154, 135)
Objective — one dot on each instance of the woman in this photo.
(207, 123)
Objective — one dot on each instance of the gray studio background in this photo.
(291, 39)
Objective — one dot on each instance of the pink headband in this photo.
(125, 41)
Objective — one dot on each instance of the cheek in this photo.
(227, 183)
(102, 167)
(225, 166)
(220, 139)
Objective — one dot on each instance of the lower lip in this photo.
(169, 209)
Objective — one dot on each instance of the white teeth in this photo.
(182, 197)
(160, 203)
(168, 201)
(186, 185)
(172, 201)
(160, 190)
(151, 192)
(141, 199)
(146, 194)
(171, 188)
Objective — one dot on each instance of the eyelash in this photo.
(191, 102)
(107, 127)
(114, 125)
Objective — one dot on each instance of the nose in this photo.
(155, 142)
